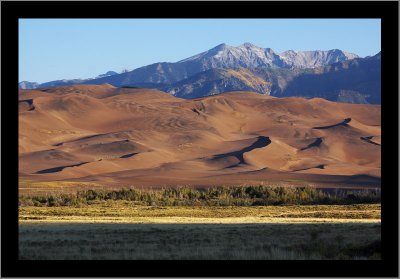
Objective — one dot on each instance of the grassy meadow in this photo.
(266, 223)
(352, 241)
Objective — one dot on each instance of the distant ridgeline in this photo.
(334, 75)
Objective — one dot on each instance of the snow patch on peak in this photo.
(288, 52)
(221, 46)
(249, 45)
(250, 55)
(350, 55)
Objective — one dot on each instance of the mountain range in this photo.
(334, 74)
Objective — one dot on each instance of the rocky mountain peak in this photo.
(249, 45)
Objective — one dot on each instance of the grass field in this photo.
(126, 212)
(122, 230)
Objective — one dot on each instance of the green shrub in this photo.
(216, 196)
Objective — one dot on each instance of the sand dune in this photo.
(145, 137)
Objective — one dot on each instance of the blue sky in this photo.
(51, 49)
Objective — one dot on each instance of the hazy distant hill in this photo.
(61, 82)
(28, 85)
(354, 81)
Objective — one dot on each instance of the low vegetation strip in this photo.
(188, 220)
(218, 196)
(124, 212)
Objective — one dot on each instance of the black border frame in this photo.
(13, 10)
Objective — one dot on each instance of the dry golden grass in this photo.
(247, 77)
(123, 230)
(127, 212)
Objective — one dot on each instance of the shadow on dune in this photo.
(316, 143)
(128, 155)
(82, 138)
(28, 103)
(259, 143)
(368, 139)
(57, 169)
(322, 166)
(343, 123)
